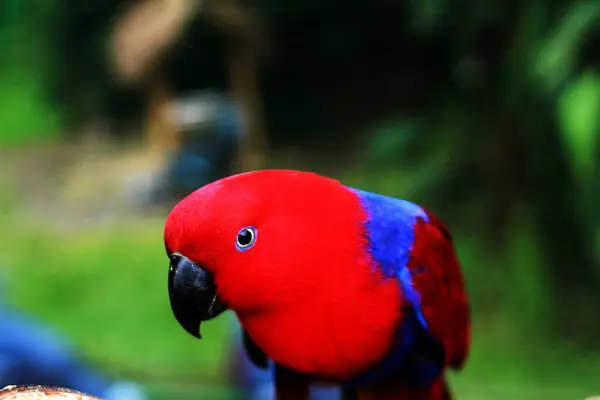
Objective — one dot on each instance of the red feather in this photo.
(438, 279)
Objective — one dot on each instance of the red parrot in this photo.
(332, 283)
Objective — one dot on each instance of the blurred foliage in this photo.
(486, 112)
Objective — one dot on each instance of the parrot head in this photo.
(247, 243)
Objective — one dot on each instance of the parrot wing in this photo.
(436, 277)
(410, 244)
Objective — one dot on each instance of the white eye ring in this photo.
(246, 238)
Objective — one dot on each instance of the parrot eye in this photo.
(246, 238)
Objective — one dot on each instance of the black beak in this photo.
(193, 294)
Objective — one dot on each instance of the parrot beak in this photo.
(193, 294)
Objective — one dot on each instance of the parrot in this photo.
(331, 284)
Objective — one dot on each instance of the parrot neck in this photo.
(336, 336)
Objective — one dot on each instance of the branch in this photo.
(31, 392)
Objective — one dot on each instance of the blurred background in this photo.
(485, 112)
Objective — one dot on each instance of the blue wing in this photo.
(418, 356)
(390, 228)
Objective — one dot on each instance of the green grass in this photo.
(104, 286)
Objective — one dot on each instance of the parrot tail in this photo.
(439, 391)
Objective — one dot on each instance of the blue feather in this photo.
(390, 228)
(390, 231)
